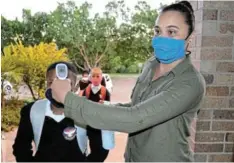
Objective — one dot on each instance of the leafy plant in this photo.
(31, 63)
(10, 114)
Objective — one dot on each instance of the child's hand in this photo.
(101, 101)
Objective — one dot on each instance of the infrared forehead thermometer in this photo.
(62, 74)
(61, 71)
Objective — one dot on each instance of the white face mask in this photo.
(85, 78)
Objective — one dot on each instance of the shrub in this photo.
(33, 62)
(114, 64)
(11, 114)
(122, 69)
(14, 102)
(133, 68)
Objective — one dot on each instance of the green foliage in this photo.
(135, 34)
(9, 30)
(10, 114)
(90, 41)
(122, 69)
(32, 30)
(115, 64)
(31, 63)
(133, 69)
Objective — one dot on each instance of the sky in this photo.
(13, 8)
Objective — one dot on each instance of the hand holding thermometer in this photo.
(62, 74)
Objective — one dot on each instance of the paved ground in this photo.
(121, 93)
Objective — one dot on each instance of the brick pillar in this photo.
(213, 55)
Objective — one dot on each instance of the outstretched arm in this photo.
(180, 97)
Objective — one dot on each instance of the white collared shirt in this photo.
(95, 89)
(49, 113)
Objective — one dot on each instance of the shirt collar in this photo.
(179, 69)
(96, 87)
(49, 113)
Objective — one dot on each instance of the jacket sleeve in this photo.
(181, 96)
(22, 147)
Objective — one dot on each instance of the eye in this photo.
(156, 32)
(49, 82)
(172, 33)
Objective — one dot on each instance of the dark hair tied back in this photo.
(186, 9)
(188, 5)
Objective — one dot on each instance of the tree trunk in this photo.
(31, 91)
(2, 100)
(87, 66)
(27, 82)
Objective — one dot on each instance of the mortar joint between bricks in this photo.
(214, 132)
(224, 120)
(208, 143)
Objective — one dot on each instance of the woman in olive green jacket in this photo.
(164, 101)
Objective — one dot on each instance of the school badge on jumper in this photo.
(69, 133)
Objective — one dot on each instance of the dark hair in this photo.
(186, 9)
(70, 67)
(85, 72)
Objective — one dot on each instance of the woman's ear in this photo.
(190, 38)
(189, 42)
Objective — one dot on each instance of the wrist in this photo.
(64, 97)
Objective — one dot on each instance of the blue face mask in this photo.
(168, 50)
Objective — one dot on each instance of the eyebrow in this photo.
(173, 26)
(170, 26)
(50, 80)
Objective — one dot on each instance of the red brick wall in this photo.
(213, 54)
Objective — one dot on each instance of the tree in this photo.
(9, 71)
(33, 62)
(31, 30)
(10, 28)
(93, 41)
(35, 28)
(134, 43)
(162, 6)
(88, 40)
